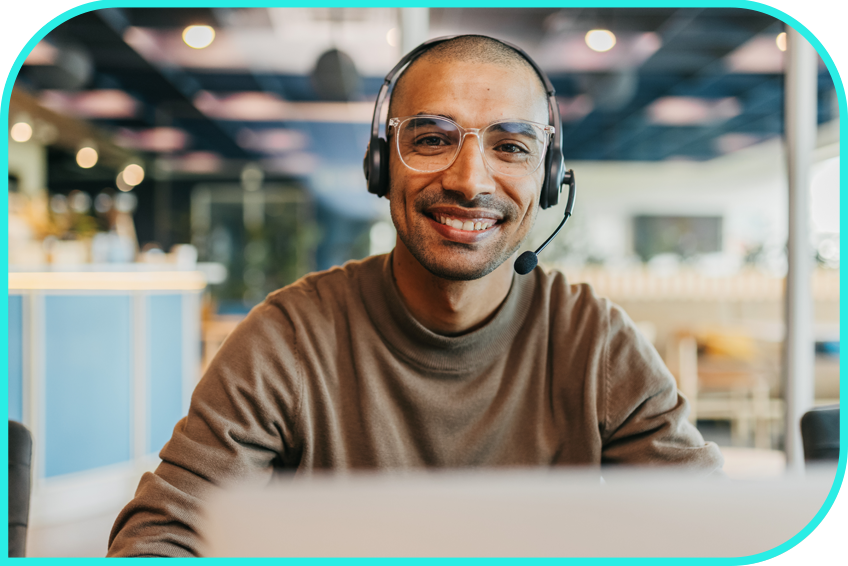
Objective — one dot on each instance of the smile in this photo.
(464, 230)
(463, 224)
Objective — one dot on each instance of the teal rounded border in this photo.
(744, 4)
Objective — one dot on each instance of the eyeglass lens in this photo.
(431, 144)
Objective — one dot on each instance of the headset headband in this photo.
(550, 92)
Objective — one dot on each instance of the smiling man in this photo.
(437, 354)
(447, 182)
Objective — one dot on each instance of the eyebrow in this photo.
(448, 116)
(419, 121)
(523, 129)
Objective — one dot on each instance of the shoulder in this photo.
(577, 305)
(269, 345)
(314, 300)
(594, 324)
(326, 292)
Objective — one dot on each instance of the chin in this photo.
(459, 267)
(456, 273)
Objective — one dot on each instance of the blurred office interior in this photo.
(168, 168)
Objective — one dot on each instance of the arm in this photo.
(240, 426)
(644, 416)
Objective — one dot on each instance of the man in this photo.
(438, 354)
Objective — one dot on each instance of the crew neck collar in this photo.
(429, 350)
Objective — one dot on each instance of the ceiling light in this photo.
(98, 103)
(121, 184)
(133, 174)
(21, 132)
(87, 157)
(690, 110)
(198, 37)
(781, 41)
(200, 162)
(600, 40)
(157, 140)
(758, 55)
(392, 37)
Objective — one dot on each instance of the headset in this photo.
(376, 162)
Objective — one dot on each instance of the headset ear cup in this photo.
(557, 173)
(543, 196)
(376, 165)
(549, 186)
(383, 177)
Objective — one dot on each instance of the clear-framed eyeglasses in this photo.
(430, 144)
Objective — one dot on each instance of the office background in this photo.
(202, 178)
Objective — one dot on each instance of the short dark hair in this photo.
(470, 49)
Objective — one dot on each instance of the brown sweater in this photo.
(333, 372)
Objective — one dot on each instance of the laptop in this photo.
(517, 513)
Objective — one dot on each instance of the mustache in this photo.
(486, 201)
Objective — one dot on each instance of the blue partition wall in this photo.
(165, 368)
(87, 382)
(85, 373)
(16, 358)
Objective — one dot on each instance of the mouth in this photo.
(466, 225)
(462, 225)
(464, 220)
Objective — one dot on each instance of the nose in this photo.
(468, 174)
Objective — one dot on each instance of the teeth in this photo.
(468, 225)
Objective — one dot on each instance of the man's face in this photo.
(473, 96)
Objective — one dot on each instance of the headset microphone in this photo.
(528, 260)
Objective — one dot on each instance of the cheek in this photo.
(405, 186)
(398, 178)
(528, 200)
(398, 201)
(530, 194)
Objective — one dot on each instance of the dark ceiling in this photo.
(689, 63)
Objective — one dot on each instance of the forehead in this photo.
(473, 94)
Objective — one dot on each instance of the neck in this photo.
(448, 307)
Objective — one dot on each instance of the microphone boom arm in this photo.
(528, 260)
(552, 236)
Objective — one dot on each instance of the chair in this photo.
(820, 433)
(20, 459)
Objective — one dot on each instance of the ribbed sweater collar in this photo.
(463, 354)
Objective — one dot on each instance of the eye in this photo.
(431, 140)
(510, 148)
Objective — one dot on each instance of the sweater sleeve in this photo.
(644, 416)
(239, 427)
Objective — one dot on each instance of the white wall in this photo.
(748, 188)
